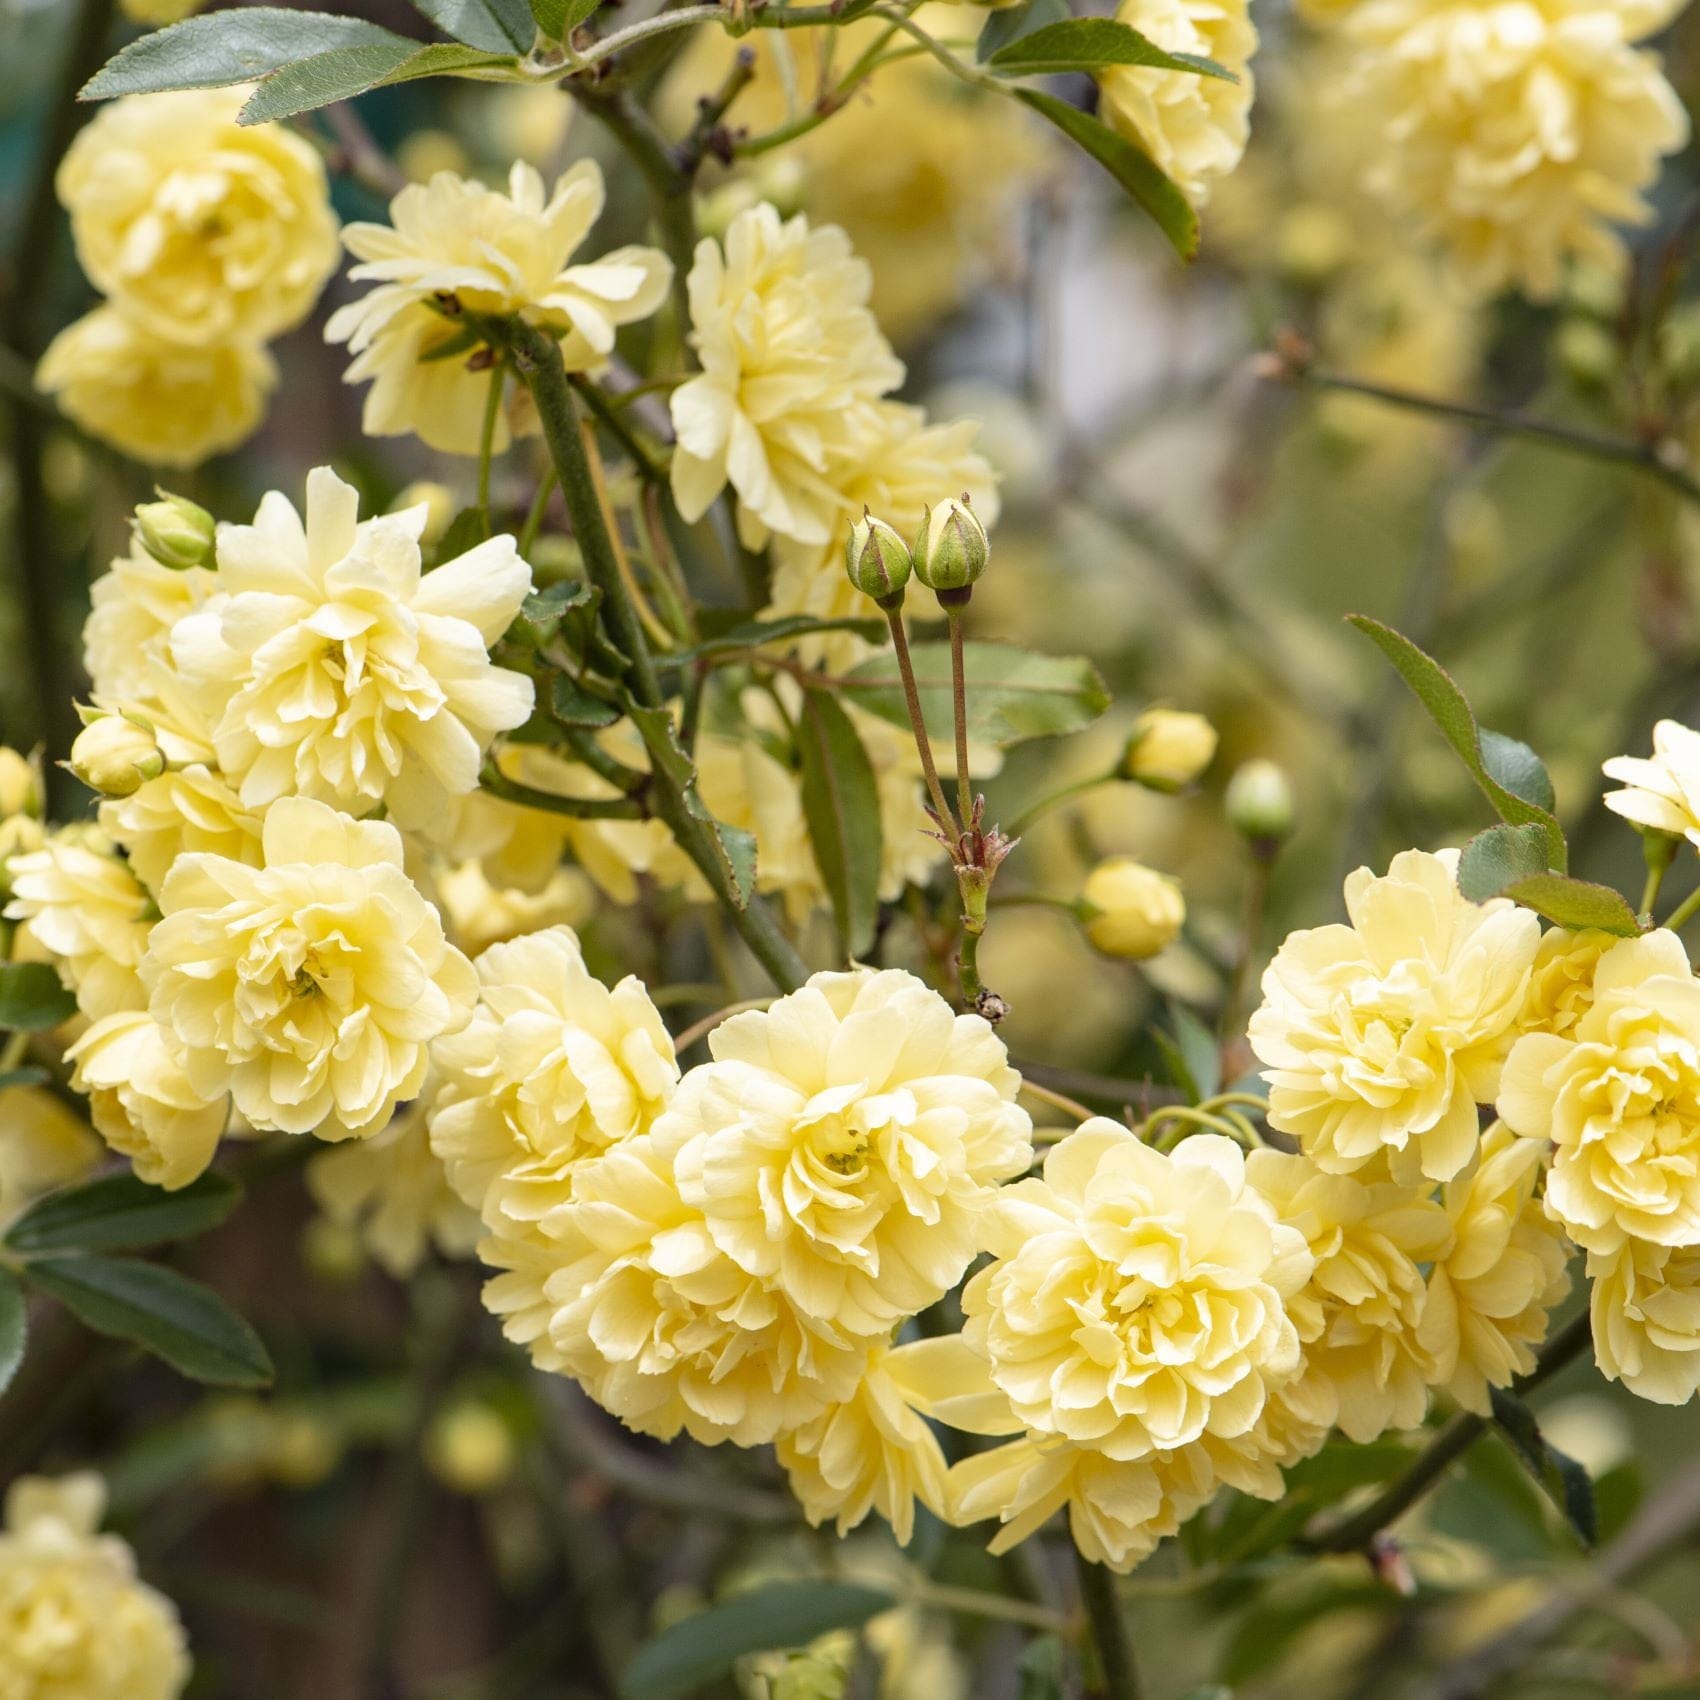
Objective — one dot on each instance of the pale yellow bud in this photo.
(304, 1450)
(20, 785)
(1131, 910)
(116, 754)
(439, 505)
(1168, 749)
(469, 1448)
(176, 532)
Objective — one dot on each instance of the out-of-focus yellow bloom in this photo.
(46, 1145)
(202, 230)
(332, 667)
(1561, 985)
(1645, 1308)
(1138, 1301)
(873, 1452)
(497, 254)
(438, 501)
(1194, 127)
(164, 403)
(552, 1067)
(127, 635)
(844, 1144)
(20, 785)
(393, 1189)
(311, 987)
(1662, 794)
(791, 362)
(1490, 1296)
(155, 13)
(1132, 910)
(87, 909)
(1360, 1312)
(188, 810)
(1619, 1097)
(1382, 1037)
(1517, 133)
(469, 1447)
(75, 1622)
(1168, 748)
(143, 1103)
(479, 914)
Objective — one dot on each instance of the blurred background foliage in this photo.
(410, 1511)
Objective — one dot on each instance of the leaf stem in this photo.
(1109, 1632)
(1045, 804)
(539, 507)
(1684, 912)
(498, 784)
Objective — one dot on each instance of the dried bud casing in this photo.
(877, 560)
(176, 532)
(951, 549)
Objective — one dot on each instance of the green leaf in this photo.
(1565, 1481)
(1265, 1633)
(1012, 22)
(1086, 44)
(735, 847)
(30, 1076)
(1193, 1055)
(496, 26)
(841, 804)
(348, 71)
(1575, 903)
(752, 634)
(557, 19)
(1012, 693)
(218, 49)
(1042, 1669)
(32, 997)
(469, 528)
(121, 1213)
(574, 706)
(1514, 765)
(1499, 857)
(186, 1324)
(14, 1326)
(1450, 710)
(1131, 167)
(698, 1649)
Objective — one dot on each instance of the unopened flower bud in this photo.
(877, 560)
(304, 1449)
(1131, 910)
(809, 1676)
(951, 550)
(469, 1448)
(115, 754)
(176, 532)
(20, 785)
(1168, 749)
(1260, 802)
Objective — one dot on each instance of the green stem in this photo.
(968, 963)
(1109, 1633)
(959, 715)
(1357, 1533)
(498, 784)
(1650, 891)
(487, 436)
(539, 507)
(1045, 804)
(1648, 458)
(584, 745)
(917, 721)
(651, 466)
(1684, 912)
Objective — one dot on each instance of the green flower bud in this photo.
(176, 532)
(1260, 802)
(951, 550)
(877, 560)
(115, 754)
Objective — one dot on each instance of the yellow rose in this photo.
(310, 987)
(204, 231)
(164, 403)
(1383, 1036)
(1645, 1308)
(46, 1145)
(1561, 984)
(1663, 794)
(1132, 910)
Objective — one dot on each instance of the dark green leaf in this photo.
(1450, 710)
(1131, 167)
(1012, 693)
(1086, 44)
(1575, 903)
(32, 997)
(1199, 1050)
(694, 1651)
(1514, 765)
(218, 49)
(557, 19)
(554, 600)
(573, 706)
(496, 26)
(30, 1076)
(348, 71)
(1499, 857)
(121, 1213)
(1013, 22)
(752, 634)
(1249, 1529)
(186, 1324)
(14, 1326)
(1565, 1481)
(1042, 1669)
(841, 804)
